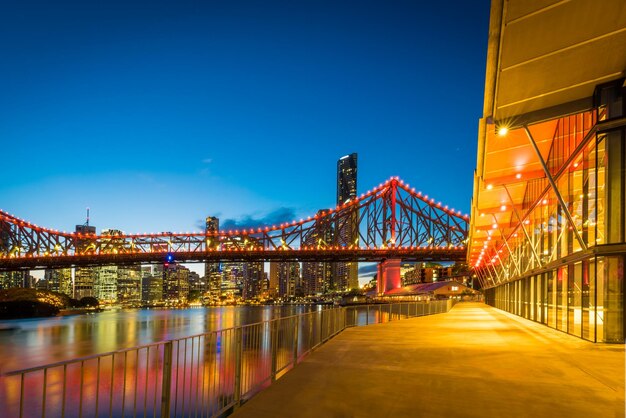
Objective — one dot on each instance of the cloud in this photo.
(367, 268)
(274, 217)
(207, 160)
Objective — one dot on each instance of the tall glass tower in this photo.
(347, 234)
(346, 178)
(212, 274)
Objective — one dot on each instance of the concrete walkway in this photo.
(474, 361)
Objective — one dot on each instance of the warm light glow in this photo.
(503, 130)
(489, 186)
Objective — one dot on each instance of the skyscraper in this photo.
(273, 280)
(105, 284)
(345, 275)
(288, 277)
(59, 280)
(152, 284)
(84, 277)
(253, 280)
(11, 279)
(129, 284)
(212, 274)
(346, 178)
(317, 275)
(176, 283)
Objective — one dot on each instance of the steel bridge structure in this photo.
(391, 221)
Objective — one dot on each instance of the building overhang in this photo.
(544, 61)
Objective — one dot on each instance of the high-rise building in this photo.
(346, 178)
(317, 275)
(196, 283)
(253, 280)
(345, 275)
(547, 234)
(129, 284)
(105, 284)
(288, 278)
(152, 284)
(212, 274)
(106, 278)
(272, 289)
(176, 283)
(84, 277)
(232, 278)
(12, 279)
(59, 280)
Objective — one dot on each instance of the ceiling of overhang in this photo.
(555, 52)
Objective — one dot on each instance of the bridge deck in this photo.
(474, 361)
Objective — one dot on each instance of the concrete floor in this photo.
(474, 361)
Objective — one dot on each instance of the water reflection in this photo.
(48, 340)
(208, 371)
(198, 373)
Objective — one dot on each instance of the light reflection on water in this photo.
(42, 341)
(208, 373)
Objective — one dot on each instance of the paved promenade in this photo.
(474, 361)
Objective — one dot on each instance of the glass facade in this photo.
(563, 265)
(345, 274)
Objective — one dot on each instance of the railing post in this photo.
(322, 326)
(166, 384)
(238, 365)
(356, 316)
(274, 346)
(295, 339)
(333, 314)
(390, 317)
(367, 316)
(380, 314)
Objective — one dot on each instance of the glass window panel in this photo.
(561, 298)
(590, 190)
(585, 300)
(614, 187)
(613, 299)
(551, 299)
(599, 317)
(574, 303)
(578, 208)
(600, 192)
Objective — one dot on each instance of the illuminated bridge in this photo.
(391, 221)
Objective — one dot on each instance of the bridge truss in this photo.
(389, 221)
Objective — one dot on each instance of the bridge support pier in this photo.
(388, 277)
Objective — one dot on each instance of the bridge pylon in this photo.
(388, 277)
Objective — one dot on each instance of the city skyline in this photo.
(155, 147)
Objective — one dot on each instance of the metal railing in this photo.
(208, 375)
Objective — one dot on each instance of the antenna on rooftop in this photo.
(87, 222)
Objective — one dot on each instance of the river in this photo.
(40, 341)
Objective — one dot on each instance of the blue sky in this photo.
(157, 114)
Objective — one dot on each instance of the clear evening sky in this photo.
(157, 114)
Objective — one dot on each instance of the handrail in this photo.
(212, 372)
